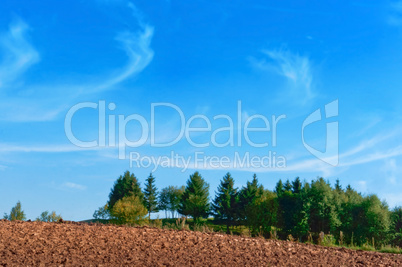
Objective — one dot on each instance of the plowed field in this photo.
(74, 244)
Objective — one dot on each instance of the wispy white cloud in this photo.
(21, 109)
(369, 143)
(360, 154)
(69, 185)
(390, 170)
(295, 68)
(18, 53)
(370, 120)
(54, 148)
(139, 52)
(395, 16)
(374, 156)
(44, 102)
(42, 148)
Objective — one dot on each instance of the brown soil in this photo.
(72, 244)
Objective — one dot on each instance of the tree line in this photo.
(17, 214)
(294, 210)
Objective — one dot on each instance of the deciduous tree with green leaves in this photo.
(16, 213)
(396, 219)
(174, 195)
(47, 216)
(374, 220)
(322, 211)
(102, 213)
(262, 215)
(396, 227)
(163, 200)
(169, 199)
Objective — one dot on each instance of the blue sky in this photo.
(277, 58)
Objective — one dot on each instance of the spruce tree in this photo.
(226, 202)
(292, 217)
(150, 195)
(252, 190)
(296, 186)
(338, 186)
(126, 185)
(195, 199)
(288, 186)
(279, 188)
(247, 196)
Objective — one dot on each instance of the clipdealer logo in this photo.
(112, 133)
(331, 153)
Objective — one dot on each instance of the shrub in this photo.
(16, 213)
(48, 217)
(129, 210)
